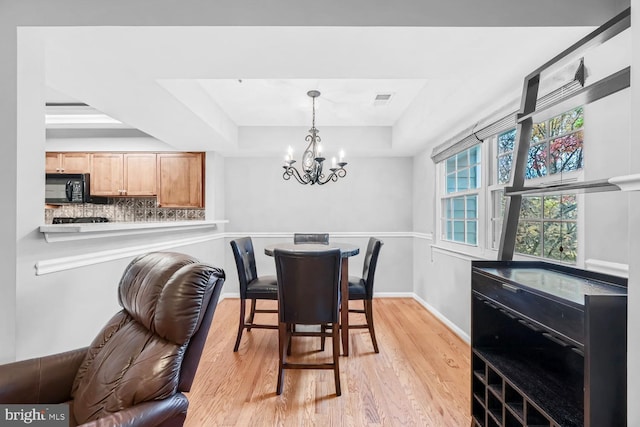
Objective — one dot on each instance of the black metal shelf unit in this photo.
(548, 346)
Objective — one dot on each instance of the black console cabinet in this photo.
(548, 346)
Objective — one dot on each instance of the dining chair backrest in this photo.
(311, 238)
(245, 262)
(370, 263)
(308, 286)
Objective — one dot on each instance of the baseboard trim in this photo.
(452, 326)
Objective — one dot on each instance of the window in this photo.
(460, 202)
(548, 224)
(555, 147)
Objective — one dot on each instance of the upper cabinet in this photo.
(180, 179)
(176, 179)
(123, 174)
(67, 163)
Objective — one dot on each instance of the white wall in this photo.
(607, 124)
(442, 278)
(64, 310)
(374, 199)
(374, 196)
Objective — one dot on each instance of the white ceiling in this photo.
(205, 88)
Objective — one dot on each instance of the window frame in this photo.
(443, 196)
(494, 220)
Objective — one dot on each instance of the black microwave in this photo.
(67, 188)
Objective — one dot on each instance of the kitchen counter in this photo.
(80, 231)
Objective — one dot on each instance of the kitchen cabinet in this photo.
(67, 162)
(123, 174)
(180, 179)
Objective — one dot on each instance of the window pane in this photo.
(451, 164)
(463, 179)
(458, 231)
(451, 183)
(474, 177)
(472, 207)
(569, 207)
(539, 132)
(499, 202)
(560, 235)
(567, 122)
(458, 207)
(463, 159)
(474, 155)
(528, 239)
(472, 234)
(449, 226)
(504, 168)
(537, 161)
(506, 141)
(566, 153)
(531, 207)
(552, 207)
(560, 207)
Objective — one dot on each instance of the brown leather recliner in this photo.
(137, 367)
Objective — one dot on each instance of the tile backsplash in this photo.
(125, 209)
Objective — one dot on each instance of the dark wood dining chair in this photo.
(361, 288)
(252, 287)
(311, 238)
(308, 294)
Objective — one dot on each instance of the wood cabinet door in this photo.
(52, 162)
(75, 162)
(140, 174)
(107, 178)
(67, 162)
(180, 180)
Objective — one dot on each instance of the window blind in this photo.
(471, 137)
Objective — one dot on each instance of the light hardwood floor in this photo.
(420, 377)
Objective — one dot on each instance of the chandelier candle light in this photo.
(312, 159)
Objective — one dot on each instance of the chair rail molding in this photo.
(69, 232)
(55, 265)
(335, 234)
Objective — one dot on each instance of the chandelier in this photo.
(312, 160)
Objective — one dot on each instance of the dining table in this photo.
(346, 250)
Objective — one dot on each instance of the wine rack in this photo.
(548, 346)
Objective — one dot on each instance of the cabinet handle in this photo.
(510, 288)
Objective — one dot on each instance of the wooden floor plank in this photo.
(420, 377)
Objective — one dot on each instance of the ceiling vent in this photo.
(382, 99)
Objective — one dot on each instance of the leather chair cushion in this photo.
(264, 287)
(357, 288)
(160, 294)
(138, 354)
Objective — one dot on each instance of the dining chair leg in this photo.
(336, 356)
(240, 324)
(283, 338)
(251, 314)
(368, 308)
(290, 330)
(323, 331)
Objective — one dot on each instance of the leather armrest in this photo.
(45, 379)
(168, 412)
